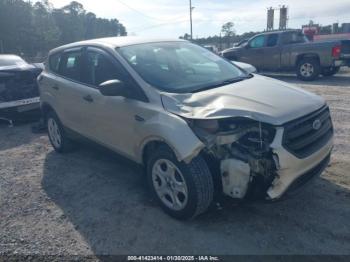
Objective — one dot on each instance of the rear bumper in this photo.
(343, 62)
(294, 172)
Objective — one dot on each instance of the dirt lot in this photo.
(93, 202)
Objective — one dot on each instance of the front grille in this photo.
(302, 139)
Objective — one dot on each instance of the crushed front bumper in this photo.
(20, 109)
(292, 172)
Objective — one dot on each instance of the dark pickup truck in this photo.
(291, 51)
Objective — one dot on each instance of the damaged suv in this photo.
(200, 125)
(19, 94)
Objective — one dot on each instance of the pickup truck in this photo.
(291, 51)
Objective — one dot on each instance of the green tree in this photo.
(28, 29)
(229, 31)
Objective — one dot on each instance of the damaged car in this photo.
(19, 93)
(200, 125)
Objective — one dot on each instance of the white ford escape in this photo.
(200, 125)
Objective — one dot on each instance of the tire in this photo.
(57, 135)
(308, 69)
(330, 71)
(191, 184)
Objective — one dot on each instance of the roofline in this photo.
(108, 42)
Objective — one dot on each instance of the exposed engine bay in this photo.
(241, 149)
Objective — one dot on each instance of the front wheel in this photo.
(308, 69)
(182, 190)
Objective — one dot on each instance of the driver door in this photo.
(253, 52)
(111, 120)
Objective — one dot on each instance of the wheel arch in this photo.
(45, 108)
(153, 143)
(306, 55)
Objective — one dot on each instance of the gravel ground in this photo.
(92, 202)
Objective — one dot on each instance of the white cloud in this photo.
(170, 18)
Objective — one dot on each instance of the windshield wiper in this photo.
(224, 83)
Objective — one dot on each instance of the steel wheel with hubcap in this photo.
(183, 190)
(54, 132)
(58, 138)
(169, 184)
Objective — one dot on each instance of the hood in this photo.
(260, 98)
(18, 67)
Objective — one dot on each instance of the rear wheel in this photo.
(57, 135)
(330, 71)
(182, 190)
(308, 69)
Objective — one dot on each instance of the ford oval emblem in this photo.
(317, 124)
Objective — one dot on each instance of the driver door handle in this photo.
(88, 98)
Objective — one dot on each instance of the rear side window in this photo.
(54, 62)
(70, 65)
(294, 38)
(272, 40)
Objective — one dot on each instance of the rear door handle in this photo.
(55, 87)
(88, 98)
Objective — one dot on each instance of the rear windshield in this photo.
(11, 61)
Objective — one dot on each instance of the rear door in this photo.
(71, 92)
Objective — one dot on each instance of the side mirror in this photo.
(250, 69)
(112, 88)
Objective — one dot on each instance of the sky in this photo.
(170, 18)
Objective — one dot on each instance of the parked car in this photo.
(212, 48)
(291, 51)
(19, 93)
(200, 125)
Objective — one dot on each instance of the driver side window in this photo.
(257, 42)
(100, 69)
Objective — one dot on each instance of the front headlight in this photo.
(251, 130)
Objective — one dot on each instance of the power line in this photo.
(145, 15)
(155, 26)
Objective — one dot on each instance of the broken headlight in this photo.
(251, 131)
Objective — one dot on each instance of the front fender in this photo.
(173, 131)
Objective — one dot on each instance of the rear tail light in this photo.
(336, 51)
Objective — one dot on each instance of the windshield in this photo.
(11, 61)
(180, 67)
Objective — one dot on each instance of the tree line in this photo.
(32, 29)
(226, 39)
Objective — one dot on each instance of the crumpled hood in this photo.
(259, 98)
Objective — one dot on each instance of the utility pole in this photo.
(191, 9)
